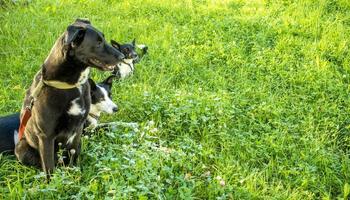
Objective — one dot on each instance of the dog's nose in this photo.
(115, 109)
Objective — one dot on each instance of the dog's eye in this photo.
(99, 41)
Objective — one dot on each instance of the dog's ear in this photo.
(85, 21)
(115, 44)
(109, 80)
(75, 35)
(133, 42)
(92, 84)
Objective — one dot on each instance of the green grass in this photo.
(249, 99)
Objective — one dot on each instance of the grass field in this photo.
(236, 100)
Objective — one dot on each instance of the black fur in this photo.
(79, 47)
(8, 125)
(129, 51)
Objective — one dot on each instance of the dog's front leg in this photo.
(74, 147)
(46, 150)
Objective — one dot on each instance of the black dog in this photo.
(126, 67)
(101, 102)
(60, 95)
(9, 132)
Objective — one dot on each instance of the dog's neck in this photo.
(59, 66)
(94, 111)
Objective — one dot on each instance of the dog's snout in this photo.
(121, 56)
(134, 56)
(116, 53)
(115, 109)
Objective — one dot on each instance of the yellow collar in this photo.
(61, 85)
(56, 84)
(84, 75)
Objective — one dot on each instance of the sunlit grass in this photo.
(236, 100)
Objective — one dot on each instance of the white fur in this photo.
(84, 76)
(80, 89)
(104, 106)
(15, 136)
(141, 46)
(93, 121)
(75, 108)
(71, 139)
(126, 69)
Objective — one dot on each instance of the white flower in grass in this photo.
(188, 176)
(111, 192)
(60, 160)
(106, 169)
(151, 123)
(206, 174)
(72, 151)
(154, 130)
(142, 134)
(221, 181)
(166, 149)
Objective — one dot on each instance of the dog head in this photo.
(101, 97)
(87, 45)
(128, 49)
(125, 68)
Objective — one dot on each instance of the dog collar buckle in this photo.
(93, 116)
(31, 104)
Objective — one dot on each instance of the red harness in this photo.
(28, 110)
(23, 122)
(26, 116)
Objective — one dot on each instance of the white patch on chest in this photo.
(125, 69)
(84, 75)
(75, 109)
(71, 139)
(80, 89)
